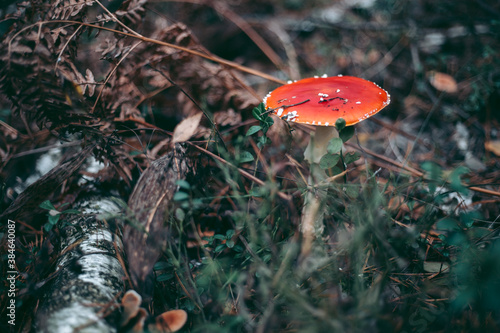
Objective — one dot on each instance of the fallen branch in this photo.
(89, 277)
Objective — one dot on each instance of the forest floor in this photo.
(411, 240)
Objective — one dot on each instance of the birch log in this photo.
(88, 278)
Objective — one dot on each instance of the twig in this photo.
(242, 172)
(44, 149)
(417, 173)
(225, 11)
(158, 42)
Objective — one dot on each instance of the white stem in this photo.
(313, 211)
(318, 143)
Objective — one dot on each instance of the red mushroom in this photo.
(321, 101)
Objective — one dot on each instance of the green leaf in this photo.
(220, 248)
(352, 192)
(246, 157)
(457, 239)
(456, 182)
(346, 133)
(351, 157)
(340, 124)
(71, 211)
(230, 233)
(255, 192)
(197, 203)
(179, 214)
(328, 161)
(334, 146)
(257, 114)
(269, 121)
(230, 244)
(164, 277)
(262, 141)
(218, 236)
(47, 205)
(468, 218)
(266, 123)
(254, 129)
(447, 223)
(335, 171)
(433, 172)
(261, 107)
(183, 184)
(181, 196)
(161, 265)
(53, 219)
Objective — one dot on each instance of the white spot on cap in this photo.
(290, 116)
(326, 124)
(324, 76)
(358, 102)
(265, 98)
(338, 90)
(280, 112)
(340, 75)
(315, 76)
(289, 81)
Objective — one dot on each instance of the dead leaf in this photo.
(493, 146)
(227, 118)
(443, 82)
(436, 267)
(186, 128)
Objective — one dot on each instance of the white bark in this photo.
(88, 276)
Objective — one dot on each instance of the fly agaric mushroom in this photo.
(321, 101)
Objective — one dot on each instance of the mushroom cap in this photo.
(321, 101)
(171, 321)
(131, 302)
